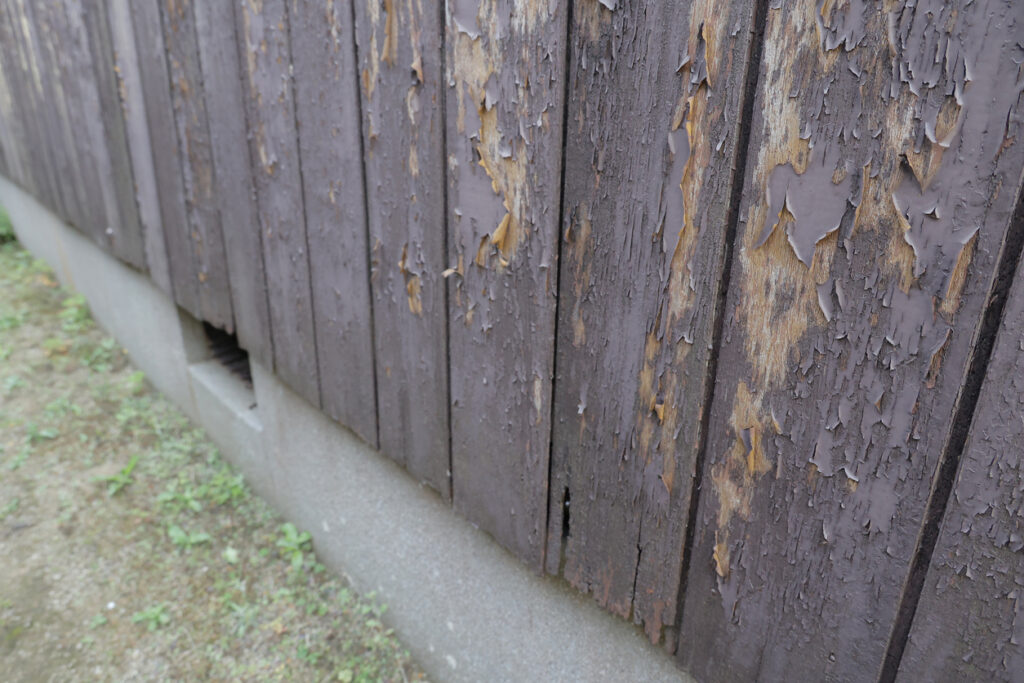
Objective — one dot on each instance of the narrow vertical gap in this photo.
(443, 86)
(949, 462)
(741, 156)
(302, 199)
(566, 78)
(240, 55)
(366, 224)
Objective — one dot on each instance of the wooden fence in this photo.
(711, 308)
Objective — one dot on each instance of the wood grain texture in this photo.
(233, 182)
(22, 53)
(12, 135)
(653, 119)
(400, 53)
(203, 233)
(885, 166)
(126, 240)
(167, 161)
(969, 623)
(270, 108)
(505, 91)
(327, 113)
(133, 105)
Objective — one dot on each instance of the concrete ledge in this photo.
(467, 610)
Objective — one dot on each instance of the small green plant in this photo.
(97, 621)
(74, 314)
(9, 508)
(176, 500)
(12, 382)
(6, 229)
(292, 544)
(12, 321)
(33, 434)
(116, 482)
(153, 617)
(186, 539)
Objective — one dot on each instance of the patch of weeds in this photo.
(12, 321)
(9, 509)
(292, 544)
(136, 383)
(5, 352)
(153, 617)
(61, 407)
(74, 315)
(187, 539)
(226, 487)
(176, 500)
(97, 621)
(98, 357)
(34, 434)
(19, 459)
(12, 382)
(116, 482)
(55, 346)
(6, 229)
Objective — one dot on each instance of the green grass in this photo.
(122, 528)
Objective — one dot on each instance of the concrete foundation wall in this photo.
(466, 609)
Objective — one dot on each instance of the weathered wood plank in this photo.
(12, 135)
(654, 109)
(887, 159)
(969, 623)
(400, 53)
(327, 115)
(34, 111)
(270, 105)
(233, 182)
(125, 228)
(203, 230)
(505, 70)
(10, 60)
(140, 148)
(49, 27)
(167, 160)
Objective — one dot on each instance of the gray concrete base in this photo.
(467, 610)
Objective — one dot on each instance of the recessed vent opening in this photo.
(227, 352)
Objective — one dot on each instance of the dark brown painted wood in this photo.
(400, 67)
(270, 108)
(47, 20)
(969, 623)
(203, 229)
(505, 91)
(167, 161)
(21, 47)
(126, 55)
(233, 181)
(125, 229)
(653, 120)
(880, 191)
(327, 113)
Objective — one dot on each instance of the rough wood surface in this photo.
(654, 108)
(270, 105)
(400, 52)
(203, 231)
(504, 98)
(167, 161)
(233, 181)
(140, 146)
(886, 159)
(124, 228)
(969, 623)
(21, 52)
(327, 113)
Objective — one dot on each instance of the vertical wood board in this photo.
(400, 52)
(878, 196)
(327, 117)
(654, 109)
(504, 99)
